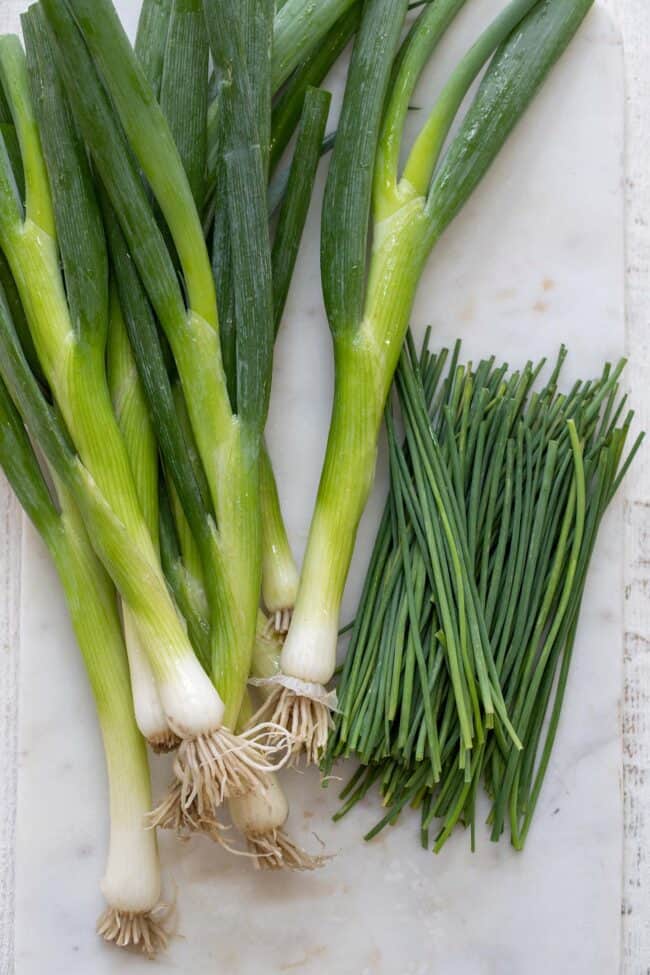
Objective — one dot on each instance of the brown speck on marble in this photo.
(468, 311)
(540, 306)
(548, 284)
(310, 954)
(374, 959)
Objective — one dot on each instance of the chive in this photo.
(539, 518)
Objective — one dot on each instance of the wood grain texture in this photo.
(633, 19)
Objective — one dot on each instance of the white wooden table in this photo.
(633, 19)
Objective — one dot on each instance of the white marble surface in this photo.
(536, 259)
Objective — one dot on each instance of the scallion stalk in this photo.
(131, 883)
(133, 420)
(288, 106)
(369, 300)
(279, 571)
(69, 331)
(91, 42)
(260, 817)
(298, 29)
(184, 90)
(151, 39)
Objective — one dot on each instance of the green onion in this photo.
(297, 196)
(369, 298)
(299, 27)
(260, 817)
(310, 74)
(228, 444)
(151, 39)
(131, 883)
(77, 323)
(184, 89)
(279, 572)
(314, 55)
(188, 590)
(133, 420)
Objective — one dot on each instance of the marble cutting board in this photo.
(535, 259)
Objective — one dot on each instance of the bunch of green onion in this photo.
(150, 421)
(496, 497)
(148, 239)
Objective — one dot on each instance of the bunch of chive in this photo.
(525, 475)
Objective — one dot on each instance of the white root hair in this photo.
(148, 932)
(306, 720)
(220, 765)
(278, 623)
(274, 850)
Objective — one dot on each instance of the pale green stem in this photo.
(428, 146)
(132, 879)
(130, 407)
(76, 373)
(364, 364)
(279, 570)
